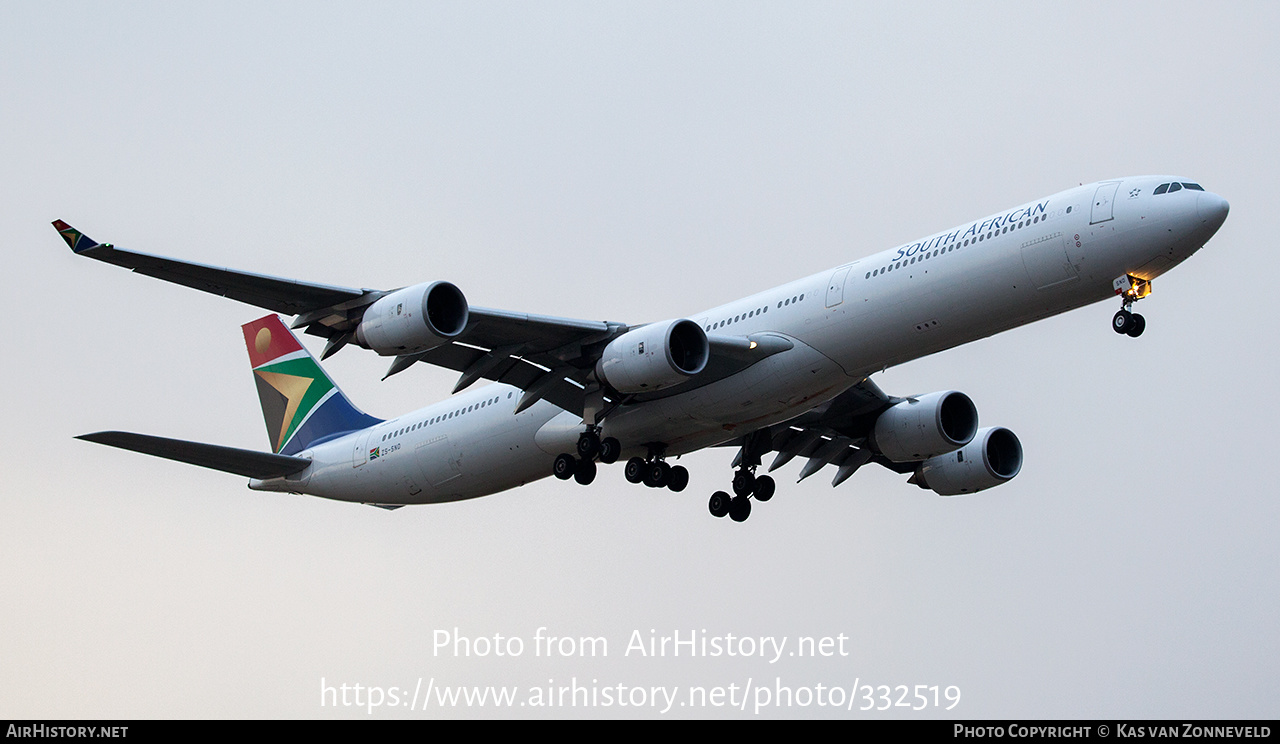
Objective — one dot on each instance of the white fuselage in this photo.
(1014, 267)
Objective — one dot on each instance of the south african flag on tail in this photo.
(300, 404)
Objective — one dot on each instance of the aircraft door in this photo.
(361, 455)
(1046, 261)
(835, 287)
(438, 461)
(1103, 203)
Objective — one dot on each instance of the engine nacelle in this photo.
(993, 457)
(654, 357)
(926, 426)
(413, 319)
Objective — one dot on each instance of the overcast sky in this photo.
(629, 162)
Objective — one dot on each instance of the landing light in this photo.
(753, 344)
(1132, 287)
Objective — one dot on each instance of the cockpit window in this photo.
(1172, 187)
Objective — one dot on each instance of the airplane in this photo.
(785, 370)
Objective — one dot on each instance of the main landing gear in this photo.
(747, 486)
(654, 471)
(590, 448)
(1131, 289)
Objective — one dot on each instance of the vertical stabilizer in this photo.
(300, 404)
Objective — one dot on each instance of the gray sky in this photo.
(629, 162)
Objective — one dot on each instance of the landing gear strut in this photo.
(590, 447)
(1131, 289)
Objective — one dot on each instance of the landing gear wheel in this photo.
(588, 445)
(1122, 321)
(719, 504)
(564, 466)
(764, 488)
(585, 472)
(634, 470)
(610, 448)
(743, 481)
(1139, 325)
(740, 509)
(656, 474)
(678, 478)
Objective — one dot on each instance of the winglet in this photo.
(78, 241)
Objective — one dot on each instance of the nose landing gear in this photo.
(1128, 323)
(1131, 289)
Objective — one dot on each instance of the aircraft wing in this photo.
(516, 348)
(249, 463)
(546, 356)
(279, 295)
(831, 434)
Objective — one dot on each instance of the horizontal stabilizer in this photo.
(249, 463)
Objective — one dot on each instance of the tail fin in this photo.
(300, 404)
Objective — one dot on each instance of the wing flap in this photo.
(249, 463)
(834, 433)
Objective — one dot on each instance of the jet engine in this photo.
(413, 319)
(922, 427)
(993, 457)
(654, 357)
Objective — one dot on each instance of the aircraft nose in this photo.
(1212, 209)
